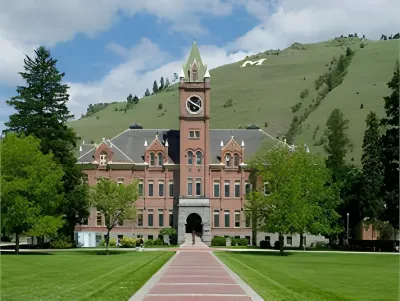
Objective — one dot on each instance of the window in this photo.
(120, 181)
(228, 159)
(171, 188)
(216, 188)
(190, 158)
(248, 240)
(198, 187)
(237, 188)
(194, 73)
(247, 187)
(226, 188)
(152, 159)
(216, 218)
(236, 160)
(227, 223)
(171, 218)
(237, 219)
(150, 237)
(289, 240)
(151, 188)
(194, 134)
(140, 187)
(150, 217)
(84, 221)
(99, 221)
(267, 191)
(160, 159)
(103, 158)
(199, 158)
(160, 188)
(140, 218)
(189, 186)
(160, 218)
(268, 238)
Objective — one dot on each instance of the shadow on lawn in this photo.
(5, 253)
(101, 252)
(261, 253)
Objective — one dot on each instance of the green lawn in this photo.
(317, 276)
(77, 275)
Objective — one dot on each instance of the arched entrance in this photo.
(194, 222)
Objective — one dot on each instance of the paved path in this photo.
(195, 276)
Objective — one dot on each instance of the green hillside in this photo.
(264, 95)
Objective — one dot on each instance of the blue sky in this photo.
(109, 49)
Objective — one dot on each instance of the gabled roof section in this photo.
(232, 146)
(194, 58)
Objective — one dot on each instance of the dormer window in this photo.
(103, 158)
(199, 158)
(190, 158)
(236, 160)
(160, 159)
(152, 158)
(228, 159)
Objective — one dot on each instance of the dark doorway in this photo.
(193, 222)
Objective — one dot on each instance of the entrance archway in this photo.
(194, 222)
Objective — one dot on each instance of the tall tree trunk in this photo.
(107, 240)
(281, 244)
(17, 243)
(254, 229)
(301, 241)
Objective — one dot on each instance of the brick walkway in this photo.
(195, 275)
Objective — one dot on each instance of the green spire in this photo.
(197, 73)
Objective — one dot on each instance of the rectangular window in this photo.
(140, 187)
(216, 188)
(198, 186)
(140, 218)
(120, 181)
(227, 218)
(150, 217)
(160, 218)
(103, 159)
(160, 188)
(226, 188)
(189, 186)
(171, 218)
(266, 188)
(151, 188)
(99, 221)
(289, 240)
(267, 238)
(237, 219)
(247, 187)
(194, 134)
(237, 188)
(150, 237)
(216, 218)
(171, 188)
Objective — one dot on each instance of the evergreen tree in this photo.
(390, 151)
(155, 87)
(41, 111)
(147, 92)
(129, 99)
(372, 170)
(135, 99)
(161, 83)
(166, 83)
(336, 143)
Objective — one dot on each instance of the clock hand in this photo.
(194, 104)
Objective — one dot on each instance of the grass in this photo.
(77, 275)
(265, 94)
(317, 276)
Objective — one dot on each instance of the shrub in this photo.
(361, 106)
(218, 241)
(296, 107)
(148, 243)
(128, 242)
(321, 244)
(158, 242)
(228, 103)
(61, 243)
(102, 243)
(362, 45)
(112, 242)
(266, 124)
(171, 232)
(160, 106)
(265, 244)
(304, 93)
(277, 245)
(97, 117)
(243, 242)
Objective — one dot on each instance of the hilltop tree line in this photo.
(395, 36)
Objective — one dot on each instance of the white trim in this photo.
(120, 151)
(201, 108)
(86, 153)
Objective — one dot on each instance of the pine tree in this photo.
(372, 170)
(147, 92)
(42, 112)
(155, 87)
(161, 83)
(390, 151)
(129, 99)
(336, 143)
(135, 99)
(166, 83)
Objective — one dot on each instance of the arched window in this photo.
(152, 158)
(236, 159)
(194, 72)
(199, 158)
(228, 159)
(160, 159)
(190, 158)
(103, 158)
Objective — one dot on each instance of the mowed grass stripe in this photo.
(78, 276)
(322, 276)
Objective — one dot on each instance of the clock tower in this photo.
(194, 126)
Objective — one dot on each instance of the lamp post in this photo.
(347, 236)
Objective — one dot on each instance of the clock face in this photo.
(194, 105)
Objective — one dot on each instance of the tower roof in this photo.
(194, 58)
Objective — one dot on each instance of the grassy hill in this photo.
(264, 95)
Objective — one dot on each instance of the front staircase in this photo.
(198, 244)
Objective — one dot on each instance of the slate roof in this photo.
(129, 145)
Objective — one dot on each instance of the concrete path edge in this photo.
(247, 289)
(144, 290)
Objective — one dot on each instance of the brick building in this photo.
(191, 178)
